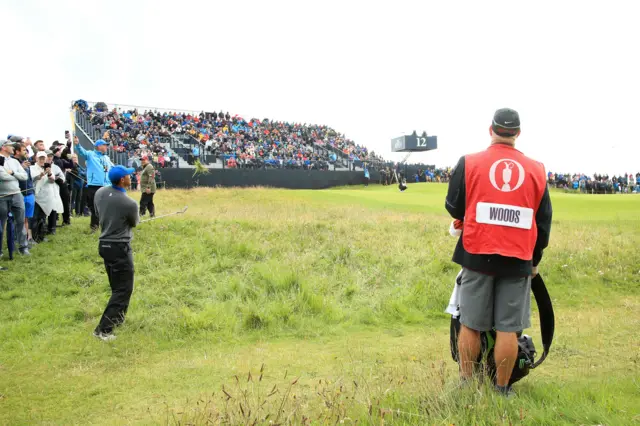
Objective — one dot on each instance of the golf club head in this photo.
(185, 209)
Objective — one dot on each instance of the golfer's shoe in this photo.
(105, 337)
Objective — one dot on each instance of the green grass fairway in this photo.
(311, 307)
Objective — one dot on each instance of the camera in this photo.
(47, 166)
(1, 160)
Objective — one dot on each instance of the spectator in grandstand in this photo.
(234, 135)
(98, 165)
(11, 199)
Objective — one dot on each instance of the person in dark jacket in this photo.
(502, 197)
(147, 187)
(64, 164)
(77, 177)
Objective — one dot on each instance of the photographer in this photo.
(11, 200)
(63, 164)
(47, 195)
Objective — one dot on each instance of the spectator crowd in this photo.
(623, 183)
(41, 189)
(240, 143)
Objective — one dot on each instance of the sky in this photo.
(373, 70)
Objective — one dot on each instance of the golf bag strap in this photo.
(547, 318)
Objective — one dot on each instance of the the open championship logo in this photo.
(398, 144)
(506, 169)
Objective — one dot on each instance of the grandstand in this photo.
(216, 139)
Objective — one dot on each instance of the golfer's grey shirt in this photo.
(117, 214)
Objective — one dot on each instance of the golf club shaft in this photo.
(164, 215)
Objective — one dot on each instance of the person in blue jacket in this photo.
(98, 165)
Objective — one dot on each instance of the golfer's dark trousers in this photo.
(91, 193)
(146, 202)
(118, 261)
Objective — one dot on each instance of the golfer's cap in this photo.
(100, 142)
(506, 122)
(5, 143)
(118, 172)
(41, 154)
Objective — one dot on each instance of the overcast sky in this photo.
(372, 70)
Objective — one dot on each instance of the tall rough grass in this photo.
(263, 306)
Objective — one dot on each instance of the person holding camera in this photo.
(47, 195)
(60, 159)
(11, 199)
(98, 165)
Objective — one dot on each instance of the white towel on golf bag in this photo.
(454, 301)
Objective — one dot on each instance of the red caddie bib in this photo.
(503, 192)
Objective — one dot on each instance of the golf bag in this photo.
(525, 361)
(402, 182)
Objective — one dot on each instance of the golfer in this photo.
(117, 214)
(147, 187)
(502, 197)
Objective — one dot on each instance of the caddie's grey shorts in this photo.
(501, 302)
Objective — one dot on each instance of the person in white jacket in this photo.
(11, 199)
(47, 194)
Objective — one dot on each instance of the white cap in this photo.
(41, 154)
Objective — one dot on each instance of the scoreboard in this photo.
(414, 143)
